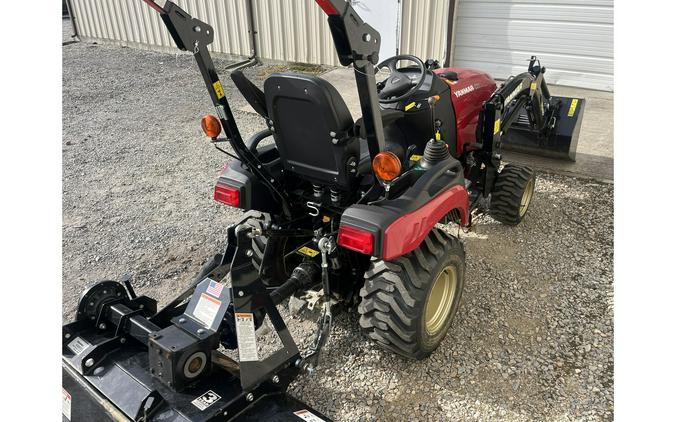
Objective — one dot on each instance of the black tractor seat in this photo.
(313, 128)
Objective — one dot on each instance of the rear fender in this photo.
(253, 194)
(398, 226)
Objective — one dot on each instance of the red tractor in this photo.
(339, 213)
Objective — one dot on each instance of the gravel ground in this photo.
(532, 341)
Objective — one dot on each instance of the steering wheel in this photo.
(400, 85)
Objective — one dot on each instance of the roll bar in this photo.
(193, 35)
(355, 41)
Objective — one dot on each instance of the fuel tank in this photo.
(469, 90)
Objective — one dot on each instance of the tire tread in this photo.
(508, 191)
(394, 294)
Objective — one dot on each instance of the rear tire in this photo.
(409, 303)
(210, 265)
(512, 194)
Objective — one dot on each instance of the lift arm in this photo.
(358, 43)
(193, 35)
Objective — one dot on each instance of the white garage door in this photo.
(572, 38)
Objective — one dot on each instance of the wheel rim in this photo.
(439, 302)
(527, 196)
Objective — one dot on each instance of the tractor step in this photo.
(561, 143)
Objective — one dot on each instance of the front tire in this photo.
(409, 303)
(512, 194)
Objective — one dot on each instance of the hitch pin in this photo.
(255, 232)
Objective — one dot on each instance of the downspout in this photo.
(451, 29)
(76, 34)
(253, 58)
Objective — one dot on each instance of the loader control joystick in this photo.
(436, 150)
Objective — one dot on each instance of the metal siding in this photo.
(424, 28)
(573, 39)
(288, 30)
(293, 31)
(133, 23)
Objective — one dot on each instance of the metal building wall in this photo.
(293, 31)
(573, 39)
(287, 30)
(424, 28)
(132, 23)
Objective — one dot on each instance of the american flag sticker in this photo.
(214, 289)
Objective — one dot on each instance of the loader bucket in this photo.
(561, 142)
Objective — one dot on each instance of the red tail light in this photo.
(355, 239)
(327, 7)
(226, 195)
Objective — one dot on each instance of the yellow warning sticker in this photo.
(306, 250)
(411, 105)
(573, 107)
(415, 157)
(498, 125)
(533, 86)
(219, 89)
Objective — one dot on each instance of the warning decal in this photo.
(498, 126)
(248, 349)
(415, 157)
(573, 107)
(67, 400)
(206, 309)
(78, 345)
(306, 250)
(307, 416)
(218, 87)
(205, 400)
(411, 105)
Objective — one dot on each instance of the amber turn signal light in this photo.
(386, 166)
(211, 126)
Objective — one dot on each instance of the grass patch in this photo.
(312, 69)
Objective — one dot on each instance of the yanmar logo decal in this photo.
(465, 91)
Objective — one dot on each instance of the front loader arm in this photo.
(527, 90)
(191, 34)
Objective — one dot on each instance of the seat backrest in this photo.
(313, 129)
